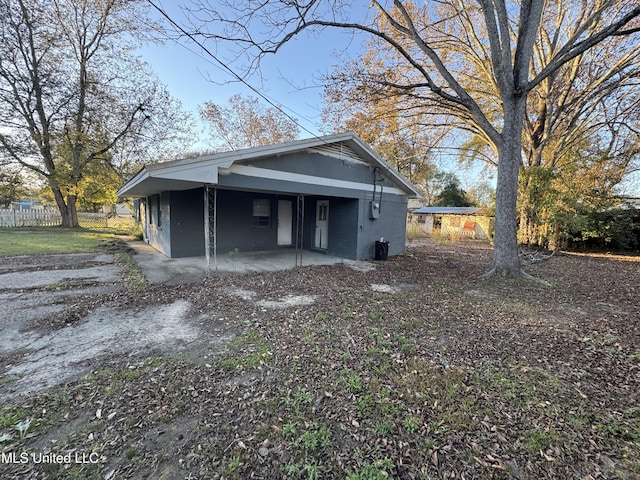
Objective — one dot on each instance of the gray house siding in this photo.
(234, 181)
(176, 224)
(236, 227)
(391, 225)
(158, 226)
(187, 222)
(343, 227)
(318, 165)
(339, 173)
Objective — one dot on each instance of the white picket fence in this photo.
(47, 218)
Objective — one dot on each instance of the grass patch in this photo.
(247, 351)
(50, 240)
(134, 279)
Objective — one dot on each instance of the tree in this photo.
(98, 185)
(246, 123)
(72, 94)
(555, 197)
(582, 121)
(380, 120)
(433, 44)
(11, 187)
(452, 194)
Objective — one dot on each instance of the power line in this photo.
(230, 71)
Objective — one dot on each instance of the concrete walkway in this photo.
(158, 268)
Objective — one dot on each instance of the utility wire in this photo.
(230, 71)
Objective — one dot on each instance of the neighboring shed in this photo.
(331, 194)
(458, 221)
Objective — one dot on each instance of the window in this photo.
(261, 212)
(322, 213)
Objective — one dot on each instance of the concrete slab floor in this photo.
(158, 268)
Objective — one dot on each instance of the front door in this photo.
(285, 217)
(322, 224)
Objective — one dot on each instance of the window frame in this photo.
(261, 209)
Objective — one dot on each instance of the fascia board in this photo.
(199, 173)
(137, 179)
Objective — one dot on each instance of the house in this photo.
(457, 221)
(331, 194)
(28, 205)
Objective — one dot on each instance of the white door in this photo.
(285, 217)
(322, 224)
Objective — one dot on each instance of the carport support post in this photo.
(299, 227)
(210, 224)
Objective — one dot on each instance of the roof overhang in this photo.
(191, 173)
(155, 178)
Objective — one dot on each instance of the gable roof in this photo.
(194, 172)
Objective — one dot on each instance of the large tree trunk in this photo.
(68, 210)
(73, 211)
(506, 259)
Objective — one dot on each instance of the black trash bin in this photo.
(381, 250)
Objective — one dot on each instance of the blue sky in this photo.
(288, 78)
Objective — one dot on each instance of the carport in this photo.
(328, 195)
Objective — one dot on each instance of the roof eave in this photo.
(199, 165)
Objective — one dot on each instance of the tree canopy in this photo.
(245, 123)
(73, 95)
(452, 194)
(11, 187)
(434, 52)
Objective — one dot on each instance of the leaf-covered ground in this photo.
(417, 369)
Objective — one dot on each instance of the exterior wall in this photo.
(343, 225)
(425, 221)
(337, 171)
(391, 225)
(319, 165)
(454, 224)
(187, 223)
(484, 227)
(158, 222)
(175, 220)
(236, 227)
(356, 241)
(235, 223)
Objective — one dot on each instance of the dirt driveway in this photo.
(42, 297)
(65, 315)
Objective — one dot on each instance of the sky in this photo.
(289, 78)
